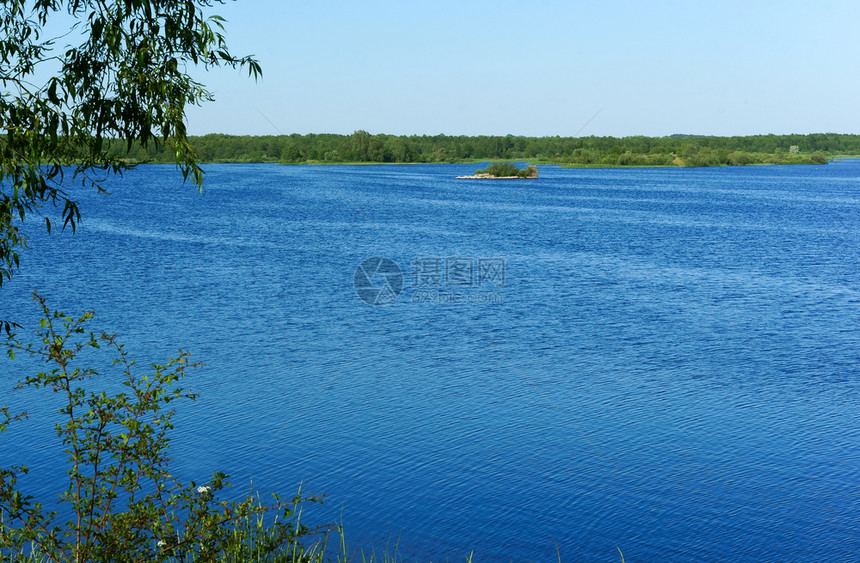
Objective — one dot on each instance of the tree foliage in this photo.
(502, 169)
(120, 74)
(362, 146)
(508, 170)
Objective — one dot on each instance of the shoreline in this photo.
(491, 177)
(558, 164)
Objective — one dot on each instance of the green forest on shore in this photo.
(364, 147)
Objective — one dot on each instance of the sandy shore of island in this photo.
(489, 177)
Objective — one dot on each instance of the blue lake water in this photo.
(663, 361)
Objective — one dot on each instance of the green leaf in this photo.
(52, 92)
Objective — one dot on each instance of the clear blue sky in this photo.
(539, 68)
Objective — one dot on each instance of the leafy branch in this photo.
(125, 503)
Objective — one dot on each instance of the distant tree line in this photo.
(361, 146)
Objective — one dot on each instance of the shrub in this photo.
(502, 169)
(528, 172)
(125, 504)
(740, 158)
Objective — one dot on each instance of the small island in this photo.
(503, 171)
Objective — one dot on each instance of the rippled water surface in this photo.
(669, 364)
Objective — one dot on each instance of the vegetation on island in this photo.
(362, 147)
(507, 170)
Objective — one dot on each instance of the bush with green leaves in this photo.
(124, 503)
(502, 169)
(508, 170)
